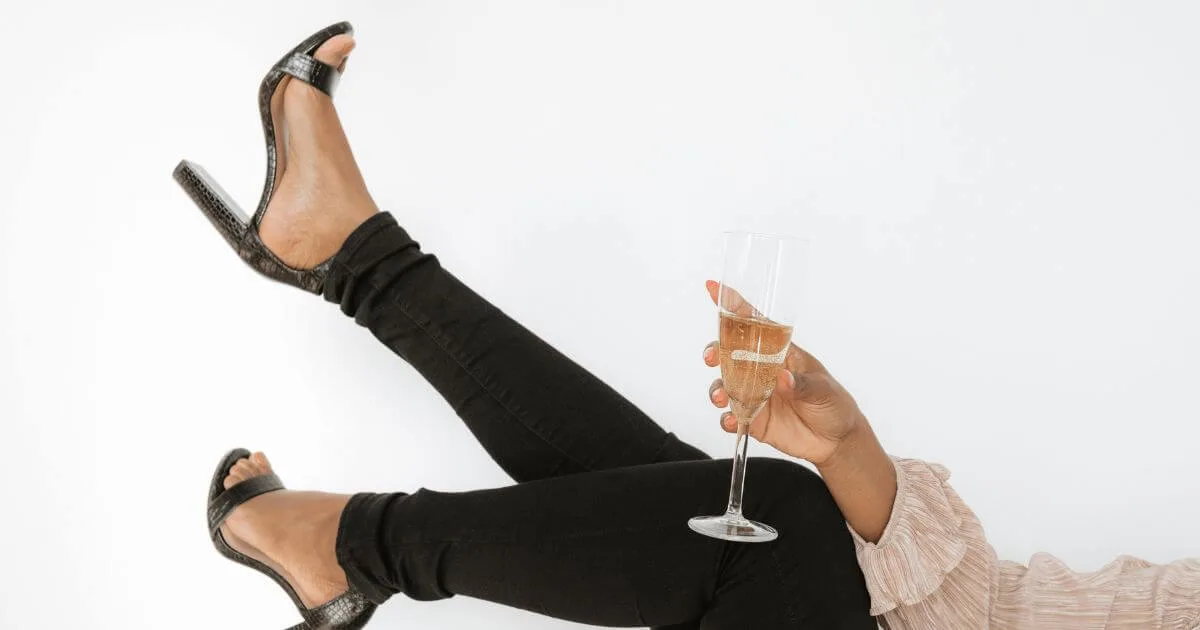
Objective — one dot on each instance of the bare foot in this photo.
(292, 532)
(320, 196)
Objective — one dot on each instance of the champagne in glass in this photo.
(751, 351)
(758, 303)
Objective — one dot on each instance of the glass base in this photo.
(732, 527)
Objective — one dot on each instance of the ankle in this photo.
(303, 240)
(344, 223)
(322, 539)
(327, 523)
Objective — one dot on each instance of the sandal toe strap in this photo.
(221, 507)
(312, 71)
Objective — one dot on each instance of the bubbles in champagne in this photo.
(752, 350)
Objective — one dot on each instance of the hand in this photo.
(809, 415)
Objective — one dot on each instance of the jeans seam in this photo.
(790, 603)
(359, 237)
(345, 548)
(601, 533)
(512, 413)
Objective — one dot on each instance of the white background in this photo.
(1002, 200)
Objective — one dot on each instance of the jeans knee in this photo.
(783, 475)
(792, 492)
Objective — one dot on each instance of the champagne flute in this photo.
(757, 307)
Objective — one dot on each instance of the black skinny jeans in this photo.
(595, 529)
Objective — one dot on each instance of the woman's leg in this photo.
(613, 548)
(607, 548)
(537, 413)
(615, 541)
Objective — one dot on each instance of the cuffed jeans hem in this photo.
(358, 531)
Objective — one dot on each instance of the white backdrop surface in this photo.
(1001, 199)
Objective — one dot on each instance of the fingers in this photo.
(712, 358)
(717, 394)
(758, 428)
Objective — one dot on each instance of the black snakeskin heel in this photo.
(239, 231)
(349, 611)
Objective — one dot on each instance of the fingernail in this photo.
(708, 351)
(710, 284)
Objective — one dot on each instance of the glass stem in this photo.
(738, 483)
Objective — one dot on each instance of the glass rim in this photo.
(766, 236)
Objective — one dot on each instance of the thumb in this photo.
(814, 389)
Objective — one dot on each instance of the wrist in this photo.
(862, 479)
(860, 441)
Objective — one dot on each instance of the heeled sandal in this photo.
(349, 611)
(240, 231)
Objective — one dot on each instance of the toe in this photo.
(261, 461)
(239, 472)
(335, 51)
(232, 479)
(247, 468)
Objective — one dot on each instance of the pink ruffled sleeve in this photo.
(933, 567)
